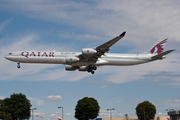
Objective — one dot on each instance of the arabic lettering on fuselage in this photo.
(42, 54)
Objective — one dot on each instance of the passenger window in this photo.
(10, 53)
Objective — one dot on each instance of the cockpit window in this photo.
(10, 53)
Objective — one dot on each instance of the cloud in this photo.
(169, 103)
(162, 114)
(40, 115)
(123, 74)
(56, 115)
(45, 72)
(153, 19)
(81, 36)
(37, 101)
(21, 44)
(104, 86)
(37, 72)
(52, 115)
(38, 112)
(53, 98)
(106, 114)
(69, 114)
(2, 97)
(143, 23)
(5, 23)
(177, 101)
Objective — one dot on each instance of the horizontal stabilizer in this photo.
(160, 56)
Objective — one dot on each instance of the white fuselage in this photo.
(52, 57)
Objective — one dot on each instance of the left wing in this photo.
(92, 54)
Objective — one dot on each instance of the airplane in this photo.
(91, 58)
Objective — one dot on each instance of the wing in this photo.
(106, 46)
(92, 54)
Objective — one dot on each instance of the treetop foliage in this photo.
(17, 107)
(87, 108)
(146, 109)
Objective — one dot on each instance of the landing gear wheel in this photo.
(92, 72)
(92, 68)
(95, 68)
(18, 66)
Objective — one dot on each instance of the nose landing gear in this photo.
(18, 65)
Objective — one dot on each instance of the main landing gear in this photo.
(92, 68)
(18, 65)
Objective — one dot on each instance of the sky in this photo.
(70, 25)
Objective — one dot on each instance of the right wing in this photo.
(106, 46)
(92, 54)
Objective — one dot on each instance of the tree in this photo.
(145, 110)
(4, 115)
(126, 117)
(17, 106)
(87, 108)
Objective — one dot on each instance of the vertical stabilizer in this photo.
(158, 47)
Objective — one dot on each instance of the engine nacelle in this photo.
(88, 51)
(71, 68)
(84, 68)
(72, 59)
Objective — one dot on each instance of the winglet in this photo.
(122, 34)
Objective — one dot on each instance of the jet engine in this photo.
(88, 51)
(71, 68)
(72, 59)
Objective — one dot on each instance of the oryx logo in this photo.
(159, 47)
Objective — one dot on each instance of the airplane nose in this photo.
(7, 57)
